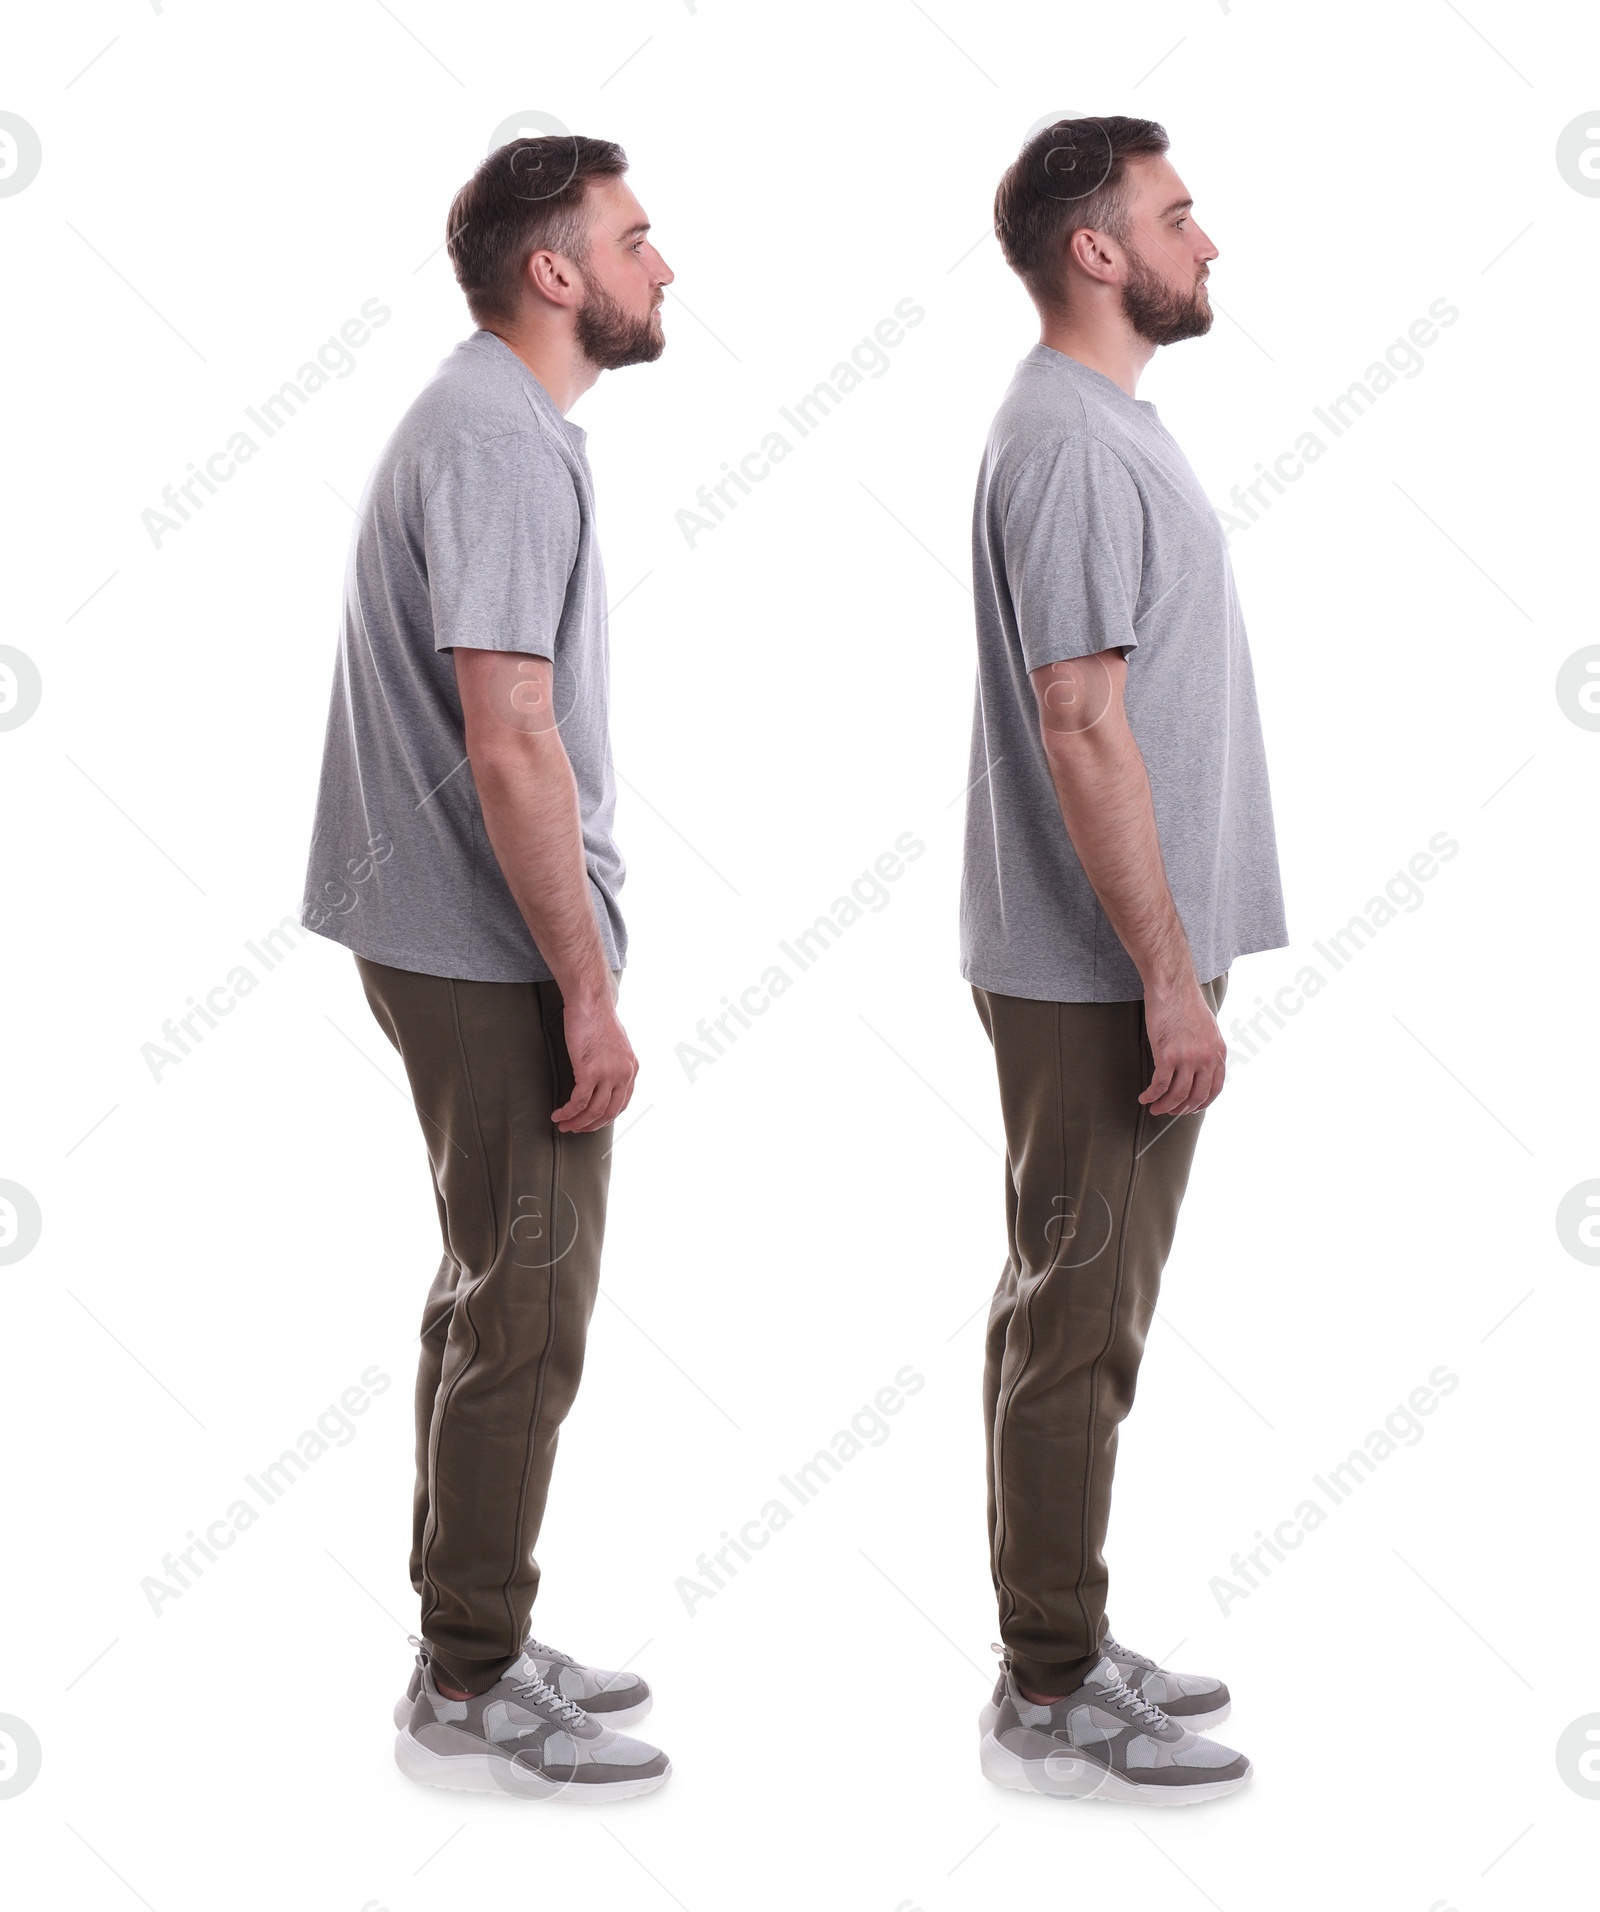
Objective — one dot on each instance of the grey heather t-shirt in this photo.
(1091, 533)
(476, 529)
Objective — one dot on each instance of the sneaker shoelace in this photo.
(1120, 1697)
(1123, 1699)
(543, 1693)
(535, 1689)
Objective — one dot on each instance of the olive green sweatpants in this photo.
(522, 1212)
(1093, 1186)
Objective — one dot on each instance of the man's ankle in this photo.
(450, 1692)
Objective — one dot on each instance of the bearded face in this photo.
(1160, 312)
(610, 336)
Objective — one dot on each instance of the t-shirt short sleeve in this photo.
(500, 538)
(1074, 542)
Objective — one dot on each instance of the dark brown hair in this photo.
(527, 196)
(1068, 176)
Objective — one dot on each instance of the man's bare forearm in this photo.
(530, 809)
(1104, 793)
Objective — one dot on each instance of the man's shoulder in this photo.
(478, 401)
(1043, 435)
(1045, 413)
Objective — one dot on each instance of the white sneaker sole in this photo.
(484, 1772)
(1195, 1722)
(1064, 1776)
(627, 1716)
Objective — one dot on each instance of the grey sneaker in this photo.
(1104, 1742)
(615, 1699)
(1194, 1700)
(521, 1737)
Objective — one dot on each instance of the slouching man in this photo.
(462, 849)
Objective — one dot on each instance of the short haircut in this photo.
(527, 196)
(1068, 176)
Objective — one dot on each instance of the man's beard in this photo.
(610, 337)
(1158, 313)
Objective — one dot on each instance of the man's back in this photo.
(476, 530)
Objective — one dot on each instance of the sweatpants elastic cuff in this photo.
(1057, 1677)
(470, 1676)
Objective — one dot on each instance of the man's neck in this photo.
(1119, 355)
(554, 359)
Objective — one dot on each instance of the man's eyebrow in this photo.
(1178, 205)
(633, 232)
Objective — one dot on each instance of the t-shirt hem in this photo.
(1060, 989)
(433, 964)
(1056, 989)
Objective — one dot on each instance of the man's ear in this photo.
(1092, 255)
(552, 276)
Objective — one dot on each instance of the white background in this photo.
(225, 1250)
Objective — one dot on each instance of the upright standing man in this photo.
(1119, 856)
(462, 849)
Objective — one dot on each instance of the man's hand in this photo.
(604, 1068)
(1190, 1054)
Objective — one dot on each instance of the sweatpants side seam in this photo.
(1099, 1360)
(529, 1440)
(465, 1304)
(1003, 1406)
